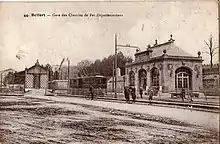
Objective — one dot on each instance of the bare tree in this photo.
(83, 67)
(211, 50)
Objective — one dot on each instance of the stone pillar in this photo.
(148, 79)
(136, 80)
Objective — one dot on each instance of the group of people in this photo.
(183, 95)
(131, 90)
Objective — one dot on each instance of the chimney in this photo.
(199, 54)
(155, 42)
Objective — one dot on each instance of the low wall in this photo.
(76, 91)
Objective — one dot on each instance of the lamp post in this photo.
(116, 47)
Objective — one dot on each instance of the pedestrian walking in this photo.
(151, 93)
(141, 92)
(191, 96)
(183, 94)
(91, 91)
(133, 94)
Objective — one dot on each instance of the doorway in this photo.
(36, 81)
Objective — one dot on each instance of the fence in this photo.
(12, 89)
(77, 91)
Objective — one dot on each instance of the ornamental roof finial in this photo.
(171, 38)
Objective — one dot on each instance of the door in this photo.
(36, 81)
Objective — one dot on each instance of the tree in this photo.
(122, 60)
(49, 68)
(84, 67)
(95, 67)
(212, 51)
(56, 75)
(106, 66)
(103, 67)
(9, 78)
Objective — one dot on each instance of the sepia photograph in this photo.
(109, 72)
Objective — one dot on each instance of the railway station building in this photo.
(166, 67)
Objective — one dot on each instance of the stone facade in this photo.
(120, 82)
(211, 79)
(165, 65)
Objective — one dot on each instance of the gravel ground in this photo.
(24, 120)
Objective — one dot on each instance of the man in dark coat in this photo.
(183, 94)
(91, 92)
(141, 92)
(133, 94)
(126, 93)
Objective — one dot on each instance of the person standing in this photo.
(141, 92)
(160, 92)
(126, 93)
(133, 94)
(151, 93)
(191, 96)
(91, 92)
(183, 94)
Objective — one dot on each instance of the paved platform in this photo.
(156, 100)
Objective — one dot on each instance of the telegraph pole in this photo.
(113, 76)
(219, 39)
(68, 71)
(115, 65)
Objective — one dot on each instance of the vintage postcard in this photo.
(109, 72)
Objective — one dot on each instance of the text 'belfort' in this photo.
(73, 15)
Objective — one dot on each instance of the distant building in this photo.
(36, 76)
(120, 82)
(211, 79)
(165, 65)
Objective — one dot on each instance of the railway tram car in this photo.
(80, 85)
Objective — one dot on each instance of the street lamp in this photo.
(118, 45)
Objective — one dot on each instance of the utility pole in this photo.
(219, 39)
(115, 73)
(68, 72)
(113, 77)
(1, 80)
(115, 65)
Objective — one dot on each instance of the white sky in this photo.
(50, 39)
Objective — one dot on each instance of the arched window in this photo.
(183, 78)
(155, 77)
(131, 78)
(142, 75)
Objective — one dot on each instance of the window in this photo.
(183, 78)
(132, 78)
(142, 78)
(155, 77)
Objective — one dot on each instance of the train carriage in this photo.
(80, 85)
